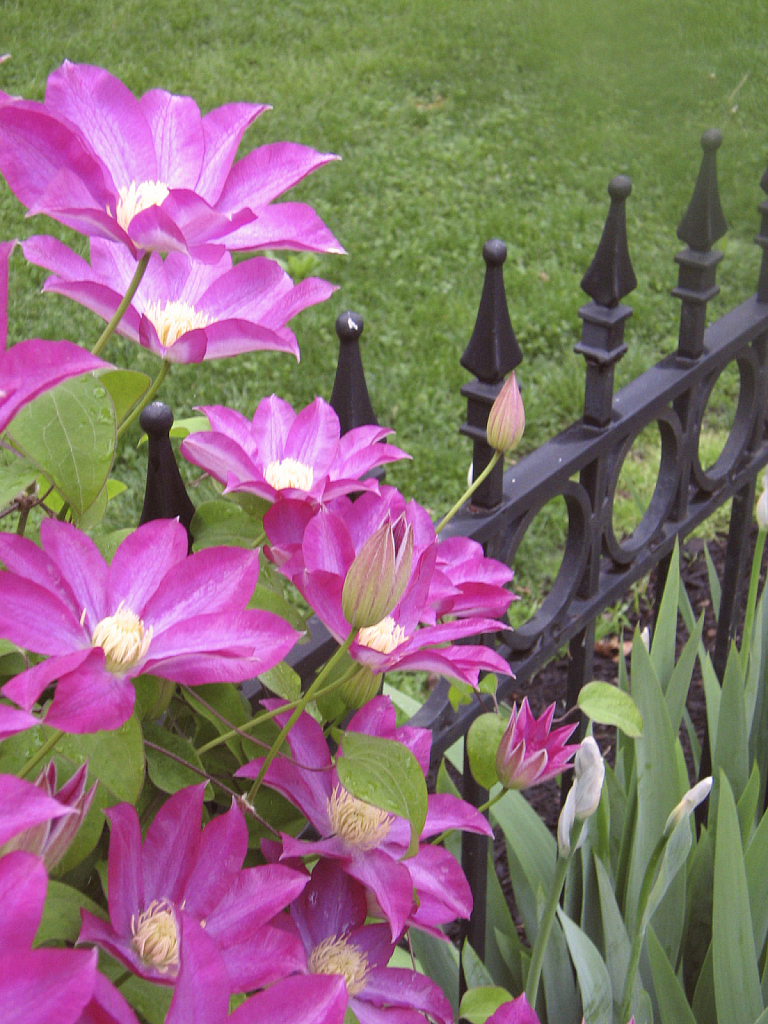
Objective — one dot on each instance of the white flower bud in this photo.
(688, 804)
(584, 794)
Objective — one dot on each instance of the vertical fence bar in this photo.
(350, 398)
(165, 496)
(762, 240)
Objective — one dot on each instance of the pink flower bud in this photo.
(378, 575)
(506, 420)
(529, 752)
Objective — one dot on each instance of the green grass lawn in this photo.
(456, 122)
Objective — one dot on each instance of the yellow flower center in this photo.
(384, 637)
(136, 197)
(124, 639)
(358, 823)
(155, 936)
(289, 473)
(174, 319)
(338, 956)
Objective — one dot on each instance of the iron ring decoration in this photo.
(743, 422)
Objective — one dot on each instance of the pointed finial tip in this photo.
(494, 252)
(711, 139)
(619, 187)
(157, 418)
(349, 326)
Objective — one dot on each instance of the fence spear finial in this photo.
(350, 398)
(704, 222)
(610, 276)
(492, 350)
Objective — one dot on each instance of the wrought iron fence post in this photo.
(762, 240)
(165, 496)
(350, 398)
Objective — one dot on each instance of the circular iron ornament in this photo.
(743, 422)
(579, 509)
(624, 551)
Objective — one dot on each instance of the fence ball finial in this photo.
(350, 398)
(704, 222)
(610, 275)
(165, 496)
(493, 349)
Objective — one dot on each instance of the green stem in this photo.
(754, 579)
(43, 752)
(109, 330)
(545, 927)
(149, 395)
(311, 693)
(639, 936)
(469, 492)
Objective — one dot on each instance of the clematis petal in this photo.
(81, 563)
(90, 698)
(171, 845)
(307, 999)
(46, 986)
(23, 885)
(222, 850)
(177, 131)
(24, 805)
(142, 561)
(126, 882)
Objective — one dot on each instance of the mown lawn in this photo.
(456, 122)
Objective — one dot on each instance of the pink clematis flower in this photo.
(296, 456)
(31, 367)
(181, 874)
(201, 993)
(529, 752)
(183, 311)
(477, 584)
(368, 843)
(50, 839)
(151, 173)
(316, 554)
(330, 915)
(153, 609)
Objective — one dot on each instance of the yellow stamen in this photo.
(358, 823)
(155, 936)
(384, 637)
(136, 197)
(174, 319)
(289, 473)
(336, 955)
(124, 639)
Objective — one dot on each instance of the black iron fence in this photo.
(583, 463)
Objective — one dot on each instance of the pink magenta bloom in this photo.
(153, 609)
(151, 173)
(330, 915)
(529, 752)
(25, 806)
(37, 986)
(31, 367)
(50, 839)
(279, 452)
(518, 1011)
(183, 311)
(367, 843)
(201, 993)
(316, 554)
(181, 872)
(477, 585)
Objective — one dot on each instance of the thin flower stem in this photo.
(308, 696)
(109, 330)
(639, 936)
(149, 395)
(469, 492)
(43, 752)
(545, 927)
(754, 580)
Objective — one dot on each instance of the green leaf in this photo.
(475, 971)
(670, 995)
(70, 432)
(737, 982)
(756, 868)
(220, 522)
(439, 961)
(731, 747)
(61, 914)
(386, 774)
(16, 477)
(674, 857)
(478, 1004)
(167, 773)
(226, 699)
(126, 388)
(615, 939)
(608, 705)
(594, 980)
(150, 1000)
(483, 741)
(282, 680)
(115, 758)
(665, 630)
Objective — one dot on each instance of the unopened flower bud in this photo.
(688, 804)
(584, 794)
(506, 420)
(379, 574)
(761, 509)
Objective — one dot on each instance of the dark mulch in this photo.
(550, 683)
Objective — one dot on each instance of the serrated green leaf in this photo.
(165, 766)
(479, 1003)
(483, 741)
(386, 774)
(70, 433)
(126, 388)
(608, 705)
